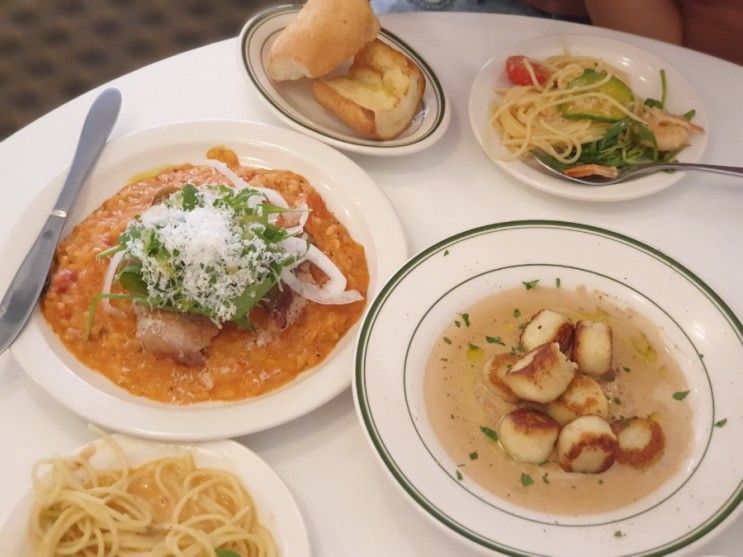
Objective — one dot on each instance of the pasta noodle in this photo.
(528, 117)
(164, 507)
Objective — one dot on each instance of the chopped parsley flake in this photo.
(680, 395)
(721, 422)
(446, 252)
(616, 400)
(516, 313)
(474, 455)
(447, 340)
(459, 475)
(526, 479)
(491, 433)
(474, 352)
(457, 323)
(558, 282)
(626, 369)
(619, 534)
(530, 284)
(494, 340)
(466, 319)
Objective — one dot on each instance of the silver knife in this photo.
(25, 288)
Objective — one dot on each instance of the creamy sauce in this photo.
(459, 404)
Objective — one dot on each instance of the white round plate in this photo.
(292, 101)
(348, 192)
(277, 510)
(701, 332)
(643, 70)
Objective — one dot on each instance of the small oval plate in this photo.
(292, 101)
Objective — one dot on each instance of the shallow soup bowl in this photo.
(445, 281)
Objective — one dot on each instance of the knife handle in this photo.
(19, 300)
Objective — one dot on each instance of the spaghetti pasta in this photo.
(164, 507)
(528, 117)
(579, 111)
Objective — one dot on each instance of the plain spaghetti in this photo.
(165, 507)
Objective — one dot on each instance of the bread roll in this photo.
(324, 34)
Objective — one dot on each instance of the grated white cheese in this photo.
(212, 257)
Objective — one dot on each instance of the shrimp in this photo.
(583, 170)
(671, 131)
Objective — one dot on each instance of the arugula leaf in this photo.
(130, 278)
(189, 200)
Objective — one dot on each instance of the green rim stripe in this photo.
(257, 21)
(717, 517)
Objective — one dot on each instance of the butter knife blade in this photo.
(25, 288)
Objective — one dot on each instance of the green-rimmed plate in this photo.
(292, 101)
(698, 328)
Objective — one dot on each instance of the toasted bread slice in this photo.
(380, 94)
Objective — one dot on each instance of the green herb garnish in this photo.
(516, 313)
(490, 433)
(530, 284)
(680, 395)
(526, 479)
(473, 455)
(494, 340)
(721, 423)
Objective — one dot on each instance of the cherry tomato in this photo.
(518, 73)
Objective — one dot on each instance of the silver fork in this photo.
(627, 172)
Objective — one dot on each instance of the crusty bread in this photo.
(324, 34)
(379, 96)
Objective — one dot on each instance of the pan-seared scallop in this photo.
(641, 441)
(587, 445)
(547, 326)
(542, 375)
(494, 370)
(528, 435)
(592, 349)
(582, 397)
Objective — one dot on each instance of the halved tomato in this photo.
(518, 73)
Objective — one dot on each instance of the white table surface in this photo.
(348, 501)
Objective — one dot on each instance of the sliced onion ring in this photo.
(272, 196)
(316, 293)
(108, 281)
(333, 291)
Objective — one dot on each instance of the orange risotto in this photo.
(237, 363)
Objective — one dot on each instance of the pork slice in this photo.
(179, 336)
